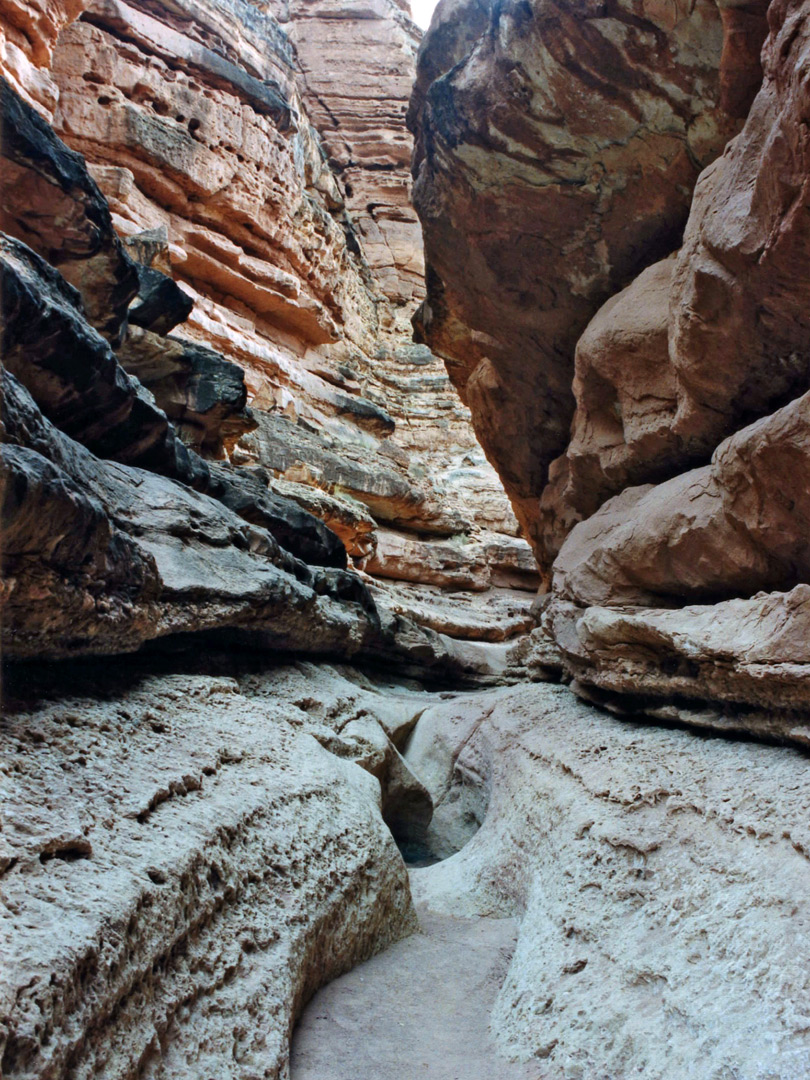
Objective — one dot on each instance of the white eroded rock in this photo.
(182, 866)
(662, 881)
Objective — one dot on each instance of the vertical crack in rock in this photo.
(229, 472)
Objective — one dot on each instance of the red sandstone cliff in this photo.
(562, 158)
(285, 222)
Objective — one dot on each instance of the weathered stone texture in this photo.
(358, 62)
(182, 867)
(203, 124)
(28, 33)
(557, 149)
(660, 880)
(713, 338)
(722, 546)
(674, 523)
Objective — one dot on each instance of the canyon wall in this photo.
(261, 262)
(215, 430)
(556, 154)
(630, 331)
(228, 473)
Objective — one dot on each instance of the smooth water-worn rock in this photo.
(734, 529)
(439, 984)
(658, 878)
(195, 838)
(672, 525)
(739, 324)
(626, 398)
(183, 865)
(704, 342)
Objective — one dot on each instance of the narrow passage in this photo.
(418, 1011)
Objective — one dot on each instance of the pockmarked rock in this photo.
(657, 878)
(171, 919)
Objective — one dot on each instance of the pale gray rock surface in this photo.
(417, 1010)
(660, 879)
(182, 867)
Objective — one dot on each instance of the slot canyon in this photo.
(405, 600)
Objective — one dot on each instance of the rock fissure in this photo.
(283, 706)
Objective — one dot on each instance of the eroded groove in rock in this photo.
(227, 866)
(223, 452)
(658, 878)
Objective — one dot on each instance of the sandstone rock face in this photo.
(135, 556)
(723, 546)
(626, 400)
(739, 326)
(115, 531)
(674, 523)
(28, 33)
(358, 62)
(207, 363)
(302, 257)
(731, 529)
(724, 330)
(556, 153)
(52, 204)
(652, 884)
(183, 865)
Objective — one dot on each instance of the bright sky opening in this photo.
(422, 12)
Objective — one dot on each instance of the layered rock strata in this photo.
(238, 240)
(302, 257)
(358, 63)
(28, 33)
(170, 919)
(673, 524)
(206, 362)
(658, 878)
(116, 531)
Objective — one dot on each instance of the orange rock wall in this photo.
(267, 144)
(28, 32)
(358, 63)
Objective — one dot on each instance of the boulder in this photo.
(160, 304)
(557, 148)
(446, 563)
